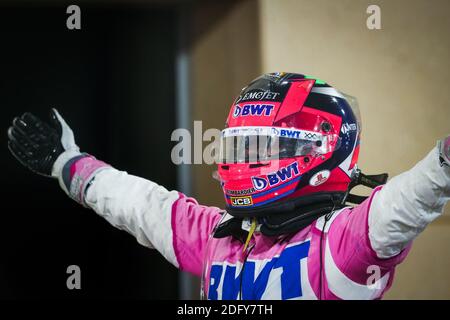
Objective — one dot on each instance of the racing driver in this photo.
(291, 228)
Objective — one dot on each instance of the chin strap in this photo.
(361, 179)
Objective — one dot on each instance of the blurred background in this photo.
(137, 70)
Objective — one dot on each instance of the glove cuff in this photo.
(62, 160)
(74, 171)
(78, 173)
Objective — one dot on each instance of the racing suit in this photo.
(351, 255)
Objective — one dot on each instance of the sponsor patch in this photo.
(347, 127)
(296, 134)
(259, 95)
(252, 110)
(272, 131)
(281, 175)
(240, 192)
(228, 281)
(241, 201)
(319, 178)
(259, 183)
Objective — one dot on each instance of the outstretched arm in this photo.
(409, 202)
(177, 226)
(376, 235)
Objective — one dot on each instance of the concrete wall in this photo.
(223, 49)
(400, 75)
(225, 56)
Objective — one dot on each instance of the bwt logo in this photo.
(229, 282)
(253, 110)
(290, 133)
(285, 173)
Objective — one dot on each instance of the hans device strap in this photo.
(361, 179)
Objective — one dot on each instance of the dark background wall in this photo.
(113, 81)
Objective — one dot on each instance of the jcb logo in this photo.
(241, 201)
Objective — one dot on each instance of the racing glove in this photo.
(49, 149)
(444, 151)
(37, 145)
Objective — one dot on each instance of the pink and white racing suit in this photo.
(360, 246)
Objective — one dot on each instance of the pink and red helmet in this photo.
(287, 137)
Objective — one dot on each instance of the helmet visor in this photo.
(256, 144)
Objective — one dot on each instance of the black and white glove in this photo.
(444, 151)
(42, 147)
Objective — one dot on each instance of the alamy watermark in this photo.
(249, 144)
(373, 281)
(233, 145)
(73, 21)
(74, 279)
(373, 22)
(189, 145)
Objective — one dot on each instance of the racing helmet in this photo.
(290, 141)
